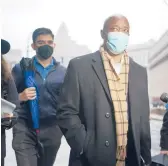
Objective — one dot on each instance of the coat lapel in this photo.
(133, 92)
(132, 87)
(99, 71)
(133, 103)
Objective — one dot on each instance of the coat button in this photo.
(107, 143)
(107, 115)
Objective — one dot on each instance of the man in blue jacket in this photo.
(49, 76)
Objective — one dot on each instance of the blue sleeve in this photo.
(166, 106)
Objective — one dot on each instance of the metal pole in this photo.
(28, 42)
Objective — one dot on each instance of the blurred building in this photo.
(140, 52)
(154, 56)
(158, 67)
(66, 48)
(13, 56)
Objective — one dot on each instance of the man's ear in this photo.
(33, 46)
(101, 32)
(103, 35)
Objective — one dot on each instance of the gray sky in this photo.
(84, 18)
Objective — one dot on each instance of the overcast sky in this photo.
(84, 19)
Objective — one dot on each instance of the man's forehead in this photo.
(116, 20)
(44, 37)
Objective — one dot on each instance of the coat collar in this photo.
(98, 68)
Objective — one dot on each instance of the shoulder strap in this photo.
(4, 91)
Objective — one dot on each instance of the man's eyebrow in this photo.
(43, 40)
(118, 26)
(126, 27)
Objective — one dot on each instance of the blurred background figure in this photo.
(8, 92)
(164, 129)
(162, 158)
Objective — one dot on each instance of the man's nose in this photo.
(46, 43)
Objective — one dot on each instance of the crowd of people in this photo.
(99, 103)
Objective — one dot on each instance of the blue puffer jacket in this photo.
(48, 92)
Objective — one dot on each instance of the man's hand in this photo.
(28, 94)
(7, 115)
(164, 152)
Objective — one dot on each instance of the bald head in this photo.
(114, 19)
(115, 23)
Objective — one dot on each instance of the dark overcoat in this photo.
(86, 114)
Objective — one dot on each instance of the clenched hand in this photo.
(28, 94)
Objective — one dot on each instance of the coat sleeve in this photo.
(68, 110)
(145, 135)
(12, 96)
(12, 92)
(164, 133)
(17, 75)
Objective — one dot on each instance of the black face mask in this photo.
(45, 51)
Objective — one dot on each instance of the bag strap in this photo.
(4, 91)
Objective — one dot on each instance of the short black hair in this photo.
(41, 31)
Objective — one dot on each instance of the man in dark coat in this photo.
(89, 104)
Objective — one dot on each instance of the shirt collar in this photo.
(37, 62)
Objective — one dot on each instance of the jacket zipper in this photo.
(44, 79)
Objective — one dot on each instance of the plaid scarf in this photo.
(118, 85)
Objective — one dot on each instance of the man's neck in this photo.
(116, 58)
(44, 62)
